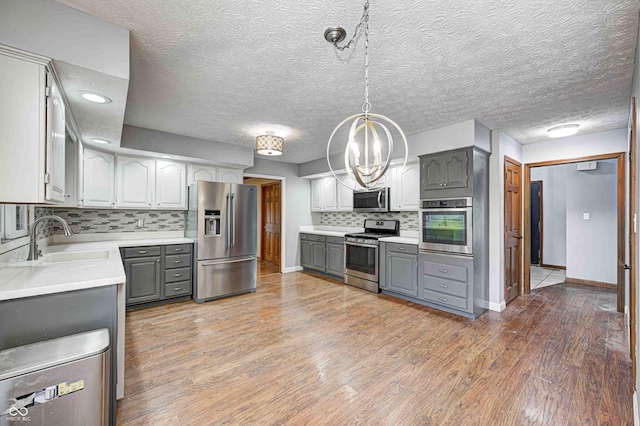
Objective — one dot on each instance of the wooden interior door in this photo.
(512, 228)
(271, 222)
(632, 238)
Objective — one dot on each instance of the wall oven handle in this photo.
(360, 245)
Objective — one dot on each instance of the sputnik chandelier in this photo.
(369, 135)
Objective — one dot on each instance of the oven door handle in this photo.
(361, 245)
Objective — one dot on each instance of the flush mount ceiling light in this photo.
(101, 141)
(562, 131)
(370, 134)
(269, 144)
(95, 98)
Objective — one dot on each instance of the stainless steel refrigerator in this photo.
(222, 220)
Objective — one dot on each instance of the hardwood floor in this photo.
(306, 350)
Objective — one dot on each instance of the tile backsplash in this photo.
(87, 221)
(409, 221)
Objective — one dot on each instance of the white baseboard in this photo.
(292, 269)
(636, 416)
(497, 307)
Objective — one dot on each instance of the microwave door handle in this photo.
(379, 199)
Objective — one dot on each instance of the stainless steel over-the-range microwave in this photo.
(371, 201)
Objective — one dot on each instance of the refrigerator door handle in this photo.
(233, 218)
(228, 223)
(246, 259)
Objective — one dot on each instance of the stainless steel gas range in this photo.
(361, 253)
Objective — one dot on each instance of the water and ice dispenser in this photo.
(212, 222)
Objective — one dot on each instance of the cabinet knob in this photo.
(158, 261)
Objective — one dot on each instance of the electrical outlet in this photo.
(140, 223)
(585, 216)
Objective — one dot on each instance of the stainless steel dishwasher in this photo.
(63, 381)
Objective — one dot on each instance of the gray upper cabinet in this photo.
(443, 172)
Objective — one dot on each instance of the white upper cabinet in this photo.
(230, 175)
(198, 172)
(345, 194)
(30, 152)
(135, 182)
(71, 173)
(405, 188)
(98, 177)
(171, 188)
(316, 195)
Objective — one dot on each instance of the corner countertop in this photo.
(332, 231)
(406, 237)
(25, 279)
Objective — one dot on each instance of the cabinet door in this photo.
(455, 170)
(230, 175)
(171, 188)
(335, 259)
(143, 279)
(345, 194)
(407, 188)
(135, 179)
(402, 273)
(316, 195)
(55, 159)
(431, 173)
(71, 173)
(98, 179)
(306, 248)
(329, 195)
(198, 172)
(318, 253)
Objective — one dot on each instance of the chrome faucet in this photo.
(34, 253)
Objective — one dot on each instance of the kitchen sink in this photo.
(76, 256)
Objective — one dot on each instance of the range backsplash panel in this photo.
(87, 221)
(409, 221)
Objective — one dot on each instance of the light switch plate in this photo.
(585, 216)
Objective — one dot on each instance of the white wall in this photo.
(576, 146)
(297, 193)
(59, 32)
(501, 145)
(554, 211)
(592, 252)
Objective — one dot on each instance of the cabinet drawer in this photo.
(450, 272)
(445, 299)
(335, 240)
(402, 248)
(141, 251)
(173, 275)
(312, 237)
(442, 285)
(177, 261)
(176, 289)
(178, 249)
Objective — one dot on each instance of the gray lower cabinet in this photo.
(447, 281)
(399, 268)
(158, 273)
(143, 279)
(322, 254)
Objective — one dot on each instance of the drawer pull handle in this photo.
(444, 286)
(401, 248)
(177, 261)
(177, 275)
(143, 251)
(177, 288)
(444, 299)
(177, 249)
(444, 271)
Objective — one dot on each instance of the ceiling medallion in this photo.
(369, 135)
(269, 144)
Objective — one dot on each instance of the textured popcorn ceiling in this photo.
(228, 70)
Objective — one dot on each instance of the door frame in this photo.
(541, 221)
(506, 160)
(632, 236)
(263, 217)
(283, 212)
(620, 156)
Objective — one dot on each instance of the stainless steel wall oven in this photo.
(447, 225)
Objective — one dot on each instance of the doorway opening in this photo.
(270, 218)
(581, 223)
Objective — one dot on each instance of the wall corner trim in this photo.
(497, 307)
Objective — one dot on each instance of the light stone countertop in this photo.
(332, 231)
(25, 279)
(401, 240)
